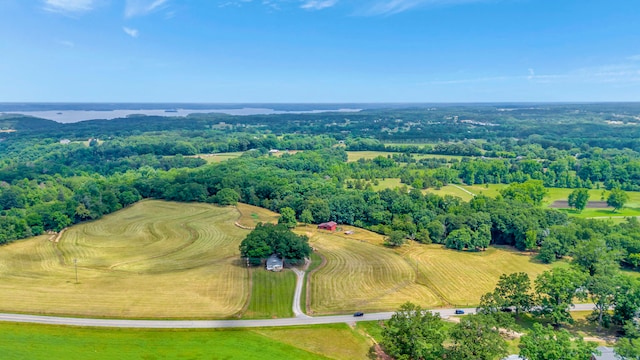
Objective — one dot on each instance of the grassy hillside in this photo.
(361, 274)
(153, 259)
(461, 277)
(27, 341)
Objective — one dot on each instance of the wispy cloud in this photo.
(66, 43)
(318, 4)
(69, 6)
(142, 7)
(131, 32)
(620, 74)
(634, 57)
(390, 7)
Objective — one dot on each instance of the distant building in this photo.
(331, 226)
(513, 357)
(274, 263)
(273, 151)
(65, 141)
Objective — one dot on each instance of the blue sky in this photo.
(319, 50)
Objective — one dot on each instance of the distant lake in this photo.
(71, 116)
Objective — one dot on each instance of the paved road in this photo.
(207, 324)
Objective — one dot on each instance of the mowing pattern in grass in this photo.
(272, 294)
(35, 342)
(361, 275)
(461, 278)
(251, 215)
(153, 259)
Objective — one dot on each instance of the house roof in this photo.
(274, 260)
(330, 223)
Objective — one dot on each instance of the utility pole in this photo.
(75, 263)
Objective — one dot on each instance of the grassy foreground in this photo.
(29, 341)
(271, 294)
(154, 259)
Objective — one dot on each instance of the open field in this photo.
(154, 259)
(461, 277)
(271, 294)
(251, 215)
(451, 190)
(337, 341)
(219, 157)
(368, 155)
(490, 190)
(389, 183)
(361, 274)
(35, 342)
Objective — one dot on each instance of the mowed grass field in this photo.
(461, 277)
(361, 274)
(154, 259)
(251, 215)
(35, 342)
(271, 294)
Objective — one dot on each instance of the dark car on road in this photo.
(358, 313)
(459, 312)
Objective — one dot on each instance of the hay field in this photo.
(460, 277)
(362, 275)
(152, 260)
(251, 215)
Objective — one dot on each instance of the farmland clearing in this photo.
(154, 259)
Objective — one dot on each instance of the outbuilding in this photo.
(331, 226)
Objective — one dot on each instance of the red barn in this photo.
(331, 226)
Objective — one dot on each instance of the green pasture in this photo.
(271, 294)
(35, 342)
(452, 190)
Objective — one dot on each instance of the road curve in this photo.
(297, 311)
(210, 324)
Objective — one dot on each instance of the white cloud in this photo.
(142, 7)
(390, 7)
(634, 57)
(131, 32)
(318, 4)
(69, 6)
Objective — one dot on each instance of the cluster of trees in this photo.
(414, 333)
(268, 239)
